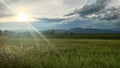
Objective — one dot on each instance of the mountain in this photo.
(80, 31)
(90, 31)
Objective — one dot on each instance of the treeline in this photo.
(63, 34)
(6, 32)
(1, 33)
(86, 36)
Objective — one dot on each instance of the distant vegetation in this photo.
(86, 36)
(1, 33)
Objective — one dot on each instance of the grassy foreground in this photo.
(64, 53)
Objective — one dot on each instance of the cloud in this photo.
(98, 10)
(90, 9)
(67, 23)
(92, 23)
(11, 1)
(5, 15)
(97, 15)
(51, 19)
(5, 11)
(45, 8)
(109, 14)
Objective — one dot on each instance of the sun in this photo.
(22, 17)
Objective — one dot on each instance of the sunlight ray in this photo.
(3, 2)
(40, 34)
(34, 36)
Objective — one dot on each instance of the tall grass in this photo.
(66, 53)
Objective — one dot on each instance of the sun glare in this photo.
(22, 17)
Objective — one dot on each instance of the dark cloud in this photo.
(92, 23)
(90, 9)
(98, 10)
(109, 14)
(51, 19)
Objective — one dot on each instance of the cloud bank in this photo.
(98, 10)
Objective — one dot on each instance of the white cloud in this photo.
(45, 8)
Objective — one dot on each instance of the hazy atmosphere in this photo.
(60, 14)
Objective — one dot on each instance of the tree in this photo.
(71, 33)
(52, 32)
(1, 33)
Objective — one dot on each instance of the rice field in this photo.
(26, 52)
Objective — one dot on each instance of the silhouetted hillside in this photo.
(80, 31)
(90, 31)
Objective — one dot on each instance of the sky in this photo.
(102, 14)
(37, 8)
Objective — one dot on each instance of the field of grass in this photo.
(25, 52)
